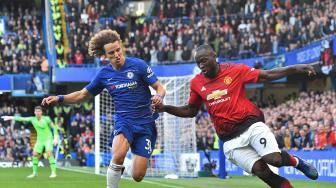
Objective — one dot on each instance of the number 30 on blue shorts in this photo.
(141, 138)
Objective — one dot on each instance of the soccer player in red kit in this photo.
(248, 142)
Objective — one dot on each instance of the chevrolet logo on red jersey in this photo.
(217, 94)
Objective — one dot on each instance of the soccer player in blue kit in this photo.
(127, 80)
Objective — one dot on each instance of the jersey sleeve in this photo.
(147, 73)
(194, 98)
(23, 119)
(95, 86)
(53, 127)
(248, 74)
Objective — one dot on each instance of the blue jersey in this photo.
(129, 90)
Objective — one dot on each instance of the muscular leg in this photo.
(261, 170)
(139, 167)
(120, 147)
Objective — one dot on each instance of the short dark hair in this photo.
(204, 47)
(38, 108)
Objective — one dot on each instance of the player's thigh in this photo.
(49, 147)
(39, 147)
(263, 140)
(245, 157)
(120, 146)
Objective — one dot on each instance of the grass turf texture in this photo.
(17, 178)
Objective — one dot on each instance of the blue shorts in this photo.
(141, 138)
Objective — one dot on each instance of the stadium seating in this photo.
(235, 30)
(22, 49)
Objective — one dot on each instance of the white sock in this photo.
(113, 175)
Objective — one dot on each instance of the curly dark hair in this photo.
(103, 37)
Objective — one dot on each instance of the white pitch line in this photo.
(129, 179)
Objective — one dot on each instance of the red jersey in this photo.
(224, 97)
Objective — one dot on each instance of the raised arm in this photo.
(277, 73)
(180, 111)
(75, 97)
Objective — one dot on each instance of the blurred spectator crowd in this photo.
(205, 132)
(87, 18)
(21, 48)
(235, 29)
(76, 124)
(238, 28)
(307, 123)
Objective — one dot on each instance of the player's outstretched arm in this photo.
(16, 118)
(7, 118)
(180, 111)
(277, 73)
(75, 97)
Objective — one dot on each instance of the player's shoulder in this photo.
(198, 78)
(104, 69)
(134, 61)
(231, 66)
(228, 65)
(104, 72)
(139, 65)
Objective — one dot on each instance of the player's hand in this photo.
(158, 108)
(50, 100)
(55, 142)
(304, 68)
(157, 99)
(6, 118)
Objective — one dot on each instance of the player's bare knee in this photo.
(49, 154)
(138, 177)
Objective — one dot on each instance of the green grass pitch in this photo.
(16, 178)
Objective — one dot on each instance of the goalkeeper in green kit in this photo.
(45, 138)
